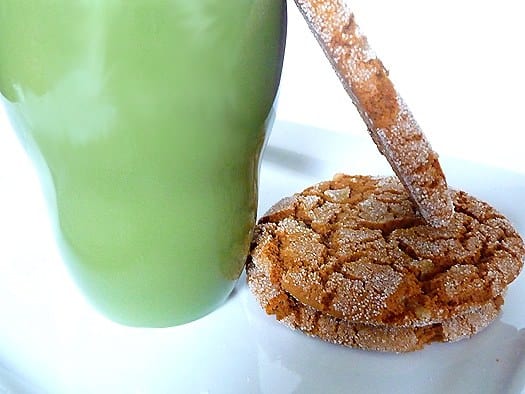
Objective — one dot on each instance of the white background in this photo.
(460, 66)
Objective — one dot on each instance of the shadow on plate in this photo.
(292, 160)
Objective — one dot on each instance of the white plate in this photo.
(51, 340)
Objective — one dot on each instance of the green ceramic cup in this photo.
(146, 120)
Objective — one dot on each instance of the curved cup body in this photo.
(146, 120)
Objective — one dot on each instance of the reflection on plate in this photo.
(52, 341)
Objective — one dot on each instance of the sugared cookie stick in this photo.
(390, 123)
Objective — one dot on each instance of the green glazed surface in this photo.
(146, 120)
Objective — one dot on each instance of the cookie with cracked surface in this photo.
(296, 315)
(356, 248)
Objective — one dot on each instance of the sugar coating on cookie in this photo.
(365, 336)
(390, 123)
(356, 248)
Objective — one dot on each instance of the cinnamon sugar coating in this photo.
(296, 315)
(390, 123)
(356, 248)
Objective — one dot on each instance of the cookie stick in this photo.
(390, 123)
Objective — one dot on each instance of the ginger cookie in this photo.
(357, 249)
(296, 315)
(390, 123)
